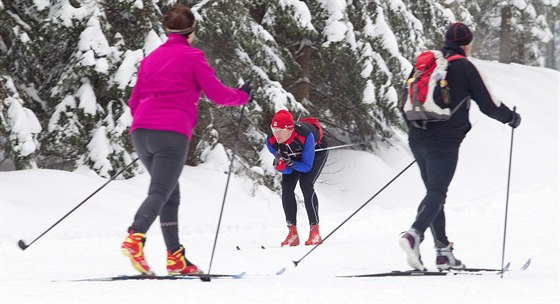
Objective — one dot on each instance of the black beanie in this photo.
(459, 33)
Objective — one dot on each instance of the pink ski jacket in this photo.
(170, 80)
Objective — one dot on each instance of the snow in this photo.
(382, 29)
(369, 93)
(86, 95)
(446, 12)
(32, 92)
(138, 4)
(124, 121)
(551, 2)
(25, 125)
(301, 13)
(67, 102)
(20, 22)
(92, 38)
(88, 58)
(151, 42)
(125, 72)
(102, 65)
(335, 29)
(520, 4)
(66, 13)
(100, 148)
(86, 243)
(20, 121)
(41, 4)
(24, 38)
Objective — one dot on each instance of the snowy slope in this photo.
(86, 243)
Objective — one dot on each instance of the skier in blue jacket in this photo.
(293, 145)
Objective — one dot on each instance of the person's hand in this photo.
(515, 120)
(280, 165)
(247, 87)
(285, 157)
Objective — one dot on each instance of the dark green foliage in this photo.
(350, 83)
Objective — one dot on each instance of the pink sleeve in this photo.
(213, 88)
(135, 96)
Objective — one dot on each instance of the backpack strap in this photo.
(455, 57)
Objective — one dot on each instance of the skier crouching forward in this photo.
(293, 146)
(164, 108)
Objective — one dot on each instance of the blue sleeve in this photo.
(270, 148)
(307, 156)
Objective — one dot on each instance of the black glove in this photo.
(285, 157)
(247, 87)
(515, 120)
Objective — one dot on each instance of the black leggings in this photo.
(164, 154)
(437, 167)
(306, 183)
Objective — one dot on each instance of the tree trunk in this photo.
(303, 84)
(505, 35)
(551, 47)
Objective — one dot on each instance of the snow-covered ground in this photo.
(86, 244)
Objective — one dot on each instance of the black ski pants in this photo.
(437, 165)
(163, 154)
(306, 183)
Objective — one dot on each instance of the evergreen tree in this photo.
(19, 101)
(531, 29)
(341, 61)
(553, 46)
(19, 126)
(435, 20)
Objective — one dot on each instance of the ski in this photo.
(468, 270)
(526, 265)
(506, 268)
(239, 248)
(396, 273)
(193, 276)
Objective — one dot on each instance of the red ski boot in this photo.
(133, 248)
(293, 238)
(314, 236)
(178, 264)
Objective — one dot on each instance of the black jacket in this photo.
(464, 81)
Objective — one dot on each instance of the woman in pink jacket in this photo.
(164, 110)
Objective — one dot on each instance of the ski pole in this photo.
(207, 278)
(346, 220)
(507, 199)
(337, 147)
(24, 246)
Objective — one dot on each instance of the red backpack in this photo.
(427, 91)
(315, 123)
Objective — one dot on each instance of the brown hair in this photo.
(179, 19)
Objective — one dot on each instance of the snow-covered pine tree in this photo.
(529, 32)
(239, 49)
(19, 126)
(435, 19)
(341, 61)
(325, 42)
(553, 46)
(530, 29)
(89, 120)
(19, 101)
